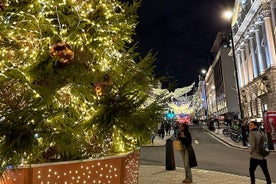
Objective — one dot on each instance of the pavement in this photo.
(149, 174)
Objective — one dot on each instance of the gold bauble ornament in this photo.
(62, 51)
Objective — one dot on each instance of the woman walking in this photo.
(187, 153)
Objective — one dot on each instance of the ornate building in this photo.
(253, 25)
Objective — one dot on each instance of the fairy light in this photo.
(26, 39)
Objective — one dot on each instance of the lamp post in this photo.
(203, 71)
(228, 15)
(203, 93)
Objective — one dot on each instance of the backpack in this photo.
(263, 151)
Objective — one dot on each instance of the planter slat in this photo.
(122, 169)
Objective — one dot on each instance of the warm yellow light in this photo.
(228, 14)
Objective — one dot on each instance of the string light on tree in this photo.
(50, 54)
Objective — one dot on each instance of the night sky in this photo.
(181, 32)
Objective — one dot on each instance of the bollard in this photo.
(170, 161)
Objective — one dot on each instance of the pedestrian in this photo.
(228, 122)
(211, 126)
(168, 128)
(175, 130)
(216, 121)
(244, 129)
(162, 130)
(152, 137)
(255, 136)
(187, 153)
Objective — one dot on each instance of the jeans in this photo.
(185, 157)
(254, 164)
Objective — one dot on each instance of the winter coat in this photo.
(187, 143)
(254, 139)
(192, 156)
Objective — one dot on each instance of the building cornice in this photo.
(247, 20)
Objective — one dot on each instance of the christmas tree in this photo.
(72, 85)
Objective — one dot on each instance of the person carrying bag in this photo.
(256, 159)
(262, 148)
(187, 152)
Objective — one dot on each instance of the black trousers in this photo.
(254, 164)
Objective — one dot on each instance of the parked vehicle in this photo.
(227, 131)
(236, 135)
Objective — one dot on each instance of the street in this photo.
(211, 153)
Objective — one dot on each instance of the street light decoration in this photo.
(170, 114)
(179, 92)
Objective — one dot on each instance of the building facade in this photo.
(253, 25)
(221, 88)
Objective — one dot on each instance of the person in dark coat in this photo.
(228, 122)
(244, 129)
(187, 153)
(162, 130)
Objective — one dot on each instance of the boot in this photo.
(188, 181)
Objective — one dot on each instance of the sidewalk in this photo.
(159, 175)
(226, 139)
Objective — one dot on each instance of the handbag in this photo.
(177, 145)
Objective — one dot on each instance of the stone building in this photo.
(253, 25)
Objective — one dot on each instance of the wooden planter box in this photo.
(119, 169)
